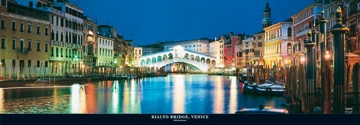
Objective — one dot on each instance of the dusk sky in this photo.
(148, 21)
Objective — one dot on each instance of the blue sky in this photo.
(148, 21)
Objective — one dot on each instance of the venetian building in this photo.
(25, 41)
(90, 30)
(137, 56)
(278, 44)
(258, 48)
(104, 53)
(303, 21)
(216, 49)
(152, 48)
(238, 51)
(106, 39)
(129, 58)
(66, 37)
(196, 45)
(248, 52)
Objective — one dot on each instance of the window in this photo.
(46, 31)
(22, 27)
(57, 21)
(57, 52)
(13, 63)
(14, 44)
(29, 45)
(13, 26)
(52, 19)
(259, 44)
(3, 43)
(61, 37)
(57, 36)
(52, 35)
(289, 31)
(29, 28)
(46, 64)
(52, 51)
(61, 52)
(38, 46)
(21, 45)
(38, 29)
(289, 50)
(38, 63)
(2, 24)
(46, 47)
(29, 63)
(62, 22)
(66, 23)
(66, 37)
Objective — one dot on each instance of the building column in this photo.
(347, 86)
(51, 71)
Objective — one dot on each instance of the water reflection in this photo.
(78, 99)
(115, 97)
(179, 94)
(218, 96)
(233, 94)
(1, 100)
(176, 93)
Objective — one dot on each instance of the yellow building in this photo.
(24, 41)
(278, 44)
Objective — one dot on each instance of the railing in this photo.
(52, 10)
(22, 50)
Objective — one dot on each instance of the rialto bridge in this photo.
(178, 55)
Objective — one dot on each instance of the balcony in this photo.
(52, 10)
(22, 50)
(57, 43)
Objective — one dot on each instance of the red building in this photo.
(229, 49)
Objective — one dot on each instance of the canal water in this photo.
(176, 93)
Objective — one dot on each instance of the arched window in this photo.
(289, 31)
(289, 50)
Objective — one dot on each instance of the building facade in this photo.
(26, 41)
(104, 53)
(137, 56)
(278, 44)
(216, 49)
(304, 20)
(90, 45)
(152, 48)
(198, 45)
(248, 52)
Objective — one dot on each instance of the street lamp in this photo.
(327, 55)
(302, 58)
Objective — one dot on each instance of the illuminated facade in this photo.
(216, 50)
(199, 45)
(278, 44)
(25, 41)
(137, 56)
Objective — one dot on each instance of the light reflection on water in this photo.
(176, 93)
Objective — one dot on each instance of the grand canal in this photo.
(176, 93)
